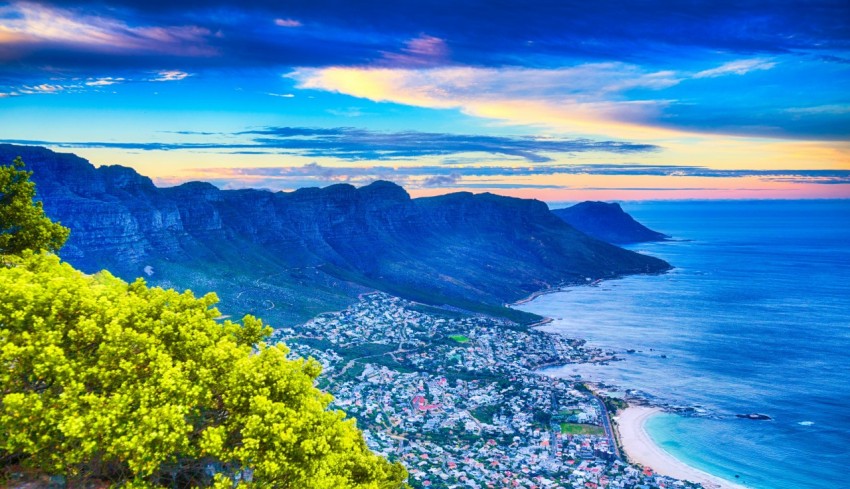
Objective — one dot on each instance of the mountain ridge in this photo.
(290, 255)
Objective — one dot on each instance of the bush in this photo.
(144, 387)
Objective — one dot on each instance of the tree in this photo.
(23, 225)
(144, 387)
(130, 384)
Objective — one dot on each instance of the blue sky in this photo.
(555, 100)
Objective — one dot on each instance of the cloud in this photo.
(423, 50)
(43, 88)
(287, 23)
(442, 180)
(60, 84)
(587, 177)
(585, 99)
(35, 24)
(833, 109)
(443, 175)
(328, 32)
(170, 75)
(105, 81)
(360, 144)
(739, 67)
(354, 144)
(593, 99)
(281, 95)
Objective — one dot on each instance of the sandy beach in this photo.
(640, 449)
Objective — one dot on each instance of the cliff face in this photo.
(607, 222)
(290, 255)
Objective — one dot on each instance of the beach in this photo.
(640, 449)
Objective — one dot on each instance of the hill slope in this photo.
(288, 256)
(608, 222)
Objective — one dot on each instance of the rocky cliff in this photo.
(289, 255)
(608, 222)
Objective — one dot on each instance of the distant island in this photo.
(288, 256)
(608, 222)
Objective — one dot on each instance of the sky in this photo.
(557, 100)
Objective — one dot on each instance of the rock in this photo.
(754, 416)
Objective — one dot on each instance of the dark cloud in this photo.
(475, 32)
(360, 144)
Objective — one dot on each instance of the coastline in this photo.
(640, 449)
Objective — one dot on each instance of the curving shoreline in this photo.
(640, 449)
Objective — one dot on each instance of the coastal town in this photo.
(460, 401)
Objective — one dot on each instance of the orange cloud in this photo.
(577, 101)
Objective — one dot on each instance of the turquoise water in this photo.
(755, 318)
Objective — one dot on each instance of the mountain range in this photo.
(287, 256)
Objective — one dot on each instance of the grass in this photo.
(581, 429)
(459, 338)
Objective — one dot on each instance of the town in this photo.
(460, 401)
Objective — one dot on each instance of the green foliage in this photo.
(485, 414)
(614, 404)
(23, 225)
(581, 429)
(143, 387)
(459, 338)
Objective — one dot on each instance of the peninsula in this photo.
(608, 222)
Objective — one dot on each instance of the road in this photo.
(606, 423)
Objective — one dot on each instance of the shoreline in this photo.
(578, 283)
(640, 449)
(630, 430)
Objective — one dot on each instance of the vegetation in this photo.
(614, 404)
(485, 414)
(23, 225)
(459, 338)
(142, 387)
(542, 418)
(581, 429)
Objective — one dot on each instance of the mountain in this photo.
(608, 222)
(287, 256)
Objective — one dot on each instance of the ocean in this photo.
(755, 318)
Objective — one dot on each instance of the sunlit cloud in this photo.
(33, 24)
(589, 100)
(43, 88)
(582, 100)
